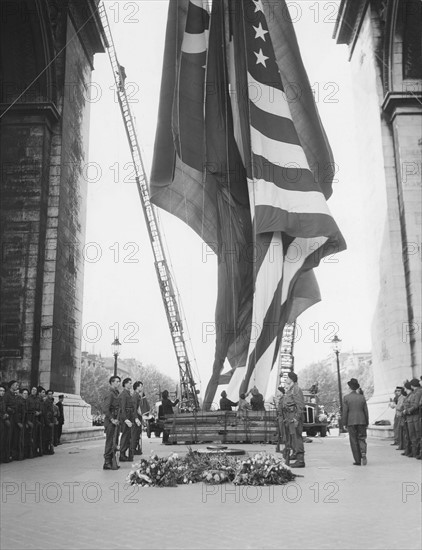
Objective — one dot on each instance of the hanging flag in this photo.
(259, 196)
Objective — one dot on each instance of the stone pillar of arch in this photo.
(47, 52)
(385, 56)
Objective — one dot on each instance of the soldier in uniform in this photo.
(10, 399)
(127, 418)
(4, 428)
(111, 420)
(406, 434)
(60, 418)
(48, 416)
(32, 406)
(35, 409)
(399, 414)
(136, 429)
(292, 406)
(25, 435)
(411, 412)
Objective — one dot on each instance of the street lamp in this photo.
(336, 346)
(116, 349)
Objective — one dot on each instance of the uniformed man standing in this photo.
(25, 428)
(406, 435)
(111, 420)
(60, 418)
(293, 406)
(48, 416)
(11, 403)
(411, 413)
(136, 430)
(4, 428)
(127, 418)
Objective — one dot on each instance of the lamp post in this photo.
(116, 349)
(336, 346)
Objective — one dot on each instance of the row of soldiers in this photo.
(123, 415)
(407, 403)
(30, 422)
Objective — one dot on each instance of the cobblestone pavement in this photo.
(67, 501)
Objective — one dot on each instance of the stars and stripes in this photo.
(296, 209)
(244, 163)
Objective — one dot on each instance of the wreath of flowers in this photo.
(173, 470)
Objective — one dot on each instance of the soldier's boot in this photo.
(107, 466)
(138, 450)
(130, 457)
(300, 461)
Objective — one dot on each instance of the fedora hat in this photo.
(353, 384)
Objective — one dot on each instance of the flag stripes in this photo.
(246, 165)
(299, 211)
(189, 111)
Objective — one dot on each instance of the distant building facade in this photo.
(92, 360)
(384, 39)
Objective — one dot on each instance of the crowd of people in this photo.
(31, 422)
(407, 402)
(123, 418)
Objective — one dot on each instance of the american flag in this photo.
(261, 168)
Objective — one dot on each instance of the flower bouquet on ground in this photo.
(263, 469)
(170, 471)
(155, 472)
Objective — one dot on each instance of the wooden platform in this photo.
(222, 427)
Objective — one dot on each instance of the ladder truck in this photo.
(189, 394)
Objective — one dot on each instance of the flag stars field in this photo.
(260, 32)
(258, 6)
(261, 58)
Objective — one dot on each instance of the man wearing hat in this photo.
(411, 412)
(293, 406)
(356, 419)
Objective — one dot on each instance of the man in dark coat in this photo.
(136, 430)
(111, 420)
(165, 409)
(411, 413)
(225, 403)
(4, 427)
(49, 423)
(34, 413)
(60, 419)
(356, 419)
(257, 400)
(11, 404)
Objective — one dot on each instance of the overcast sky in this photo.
(121, 292)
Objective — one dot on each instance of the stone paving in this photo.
(67, 501)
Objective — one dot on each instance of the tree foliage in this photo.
(95, 386)
(326, 378)
(318, 373)
(154, 381)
